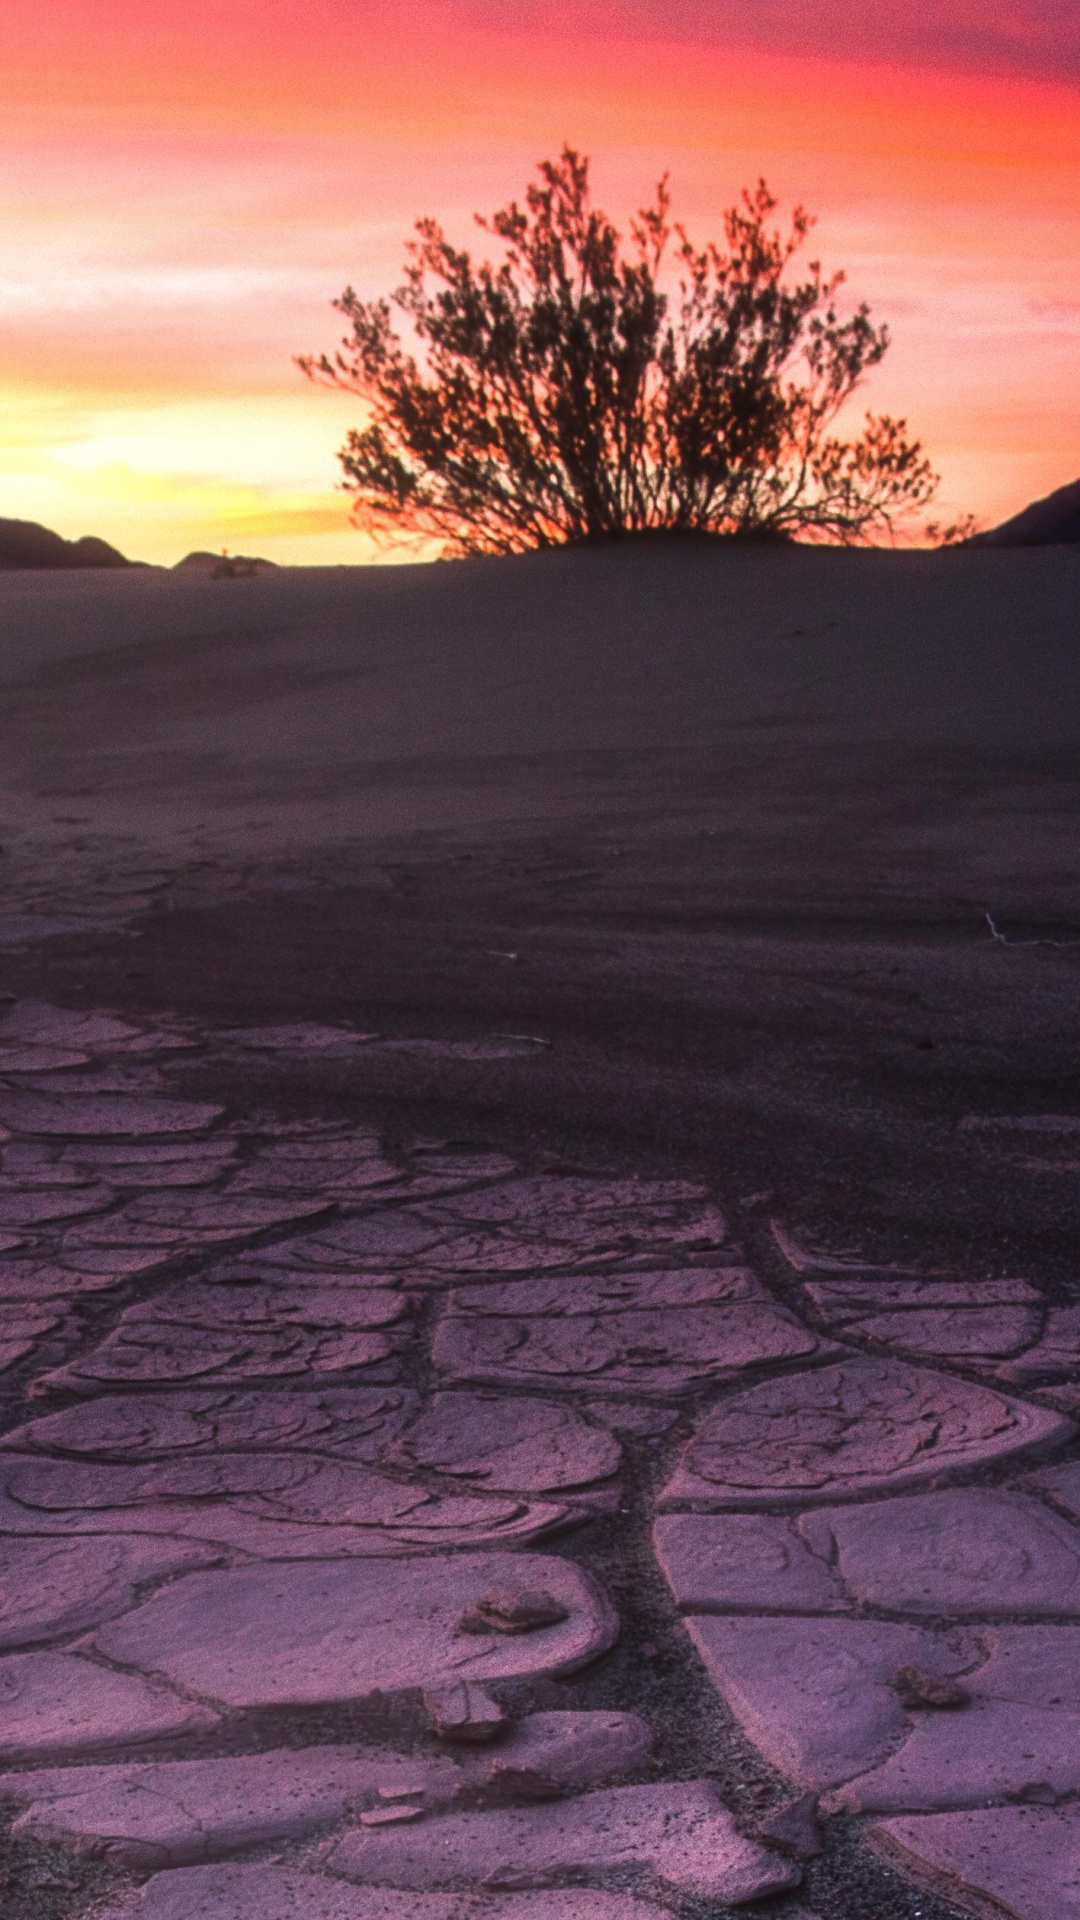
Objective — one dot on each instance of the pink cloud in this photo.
(1002, 36)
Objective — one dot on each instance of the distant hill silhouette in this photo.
(24, 544)
(1053, 522)
(224, 566)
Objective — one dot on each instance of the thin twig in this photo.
(1004, 941)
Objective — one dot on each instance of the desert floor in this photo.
(611, 1020)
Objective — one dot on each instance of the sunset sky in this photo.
(188, 183)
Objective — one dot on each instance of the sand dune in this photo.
(723, 827)
(307, 683)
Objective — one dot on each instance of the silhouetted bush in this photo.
(576, 390)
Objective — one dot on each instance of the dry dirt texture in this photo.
(539, 1337)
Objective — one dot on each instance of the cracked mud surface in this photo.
(438, 1529)
(528, 1392)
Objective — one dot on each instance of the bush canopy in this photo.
(582, 390)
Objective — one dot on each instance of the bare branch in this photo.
(561, 394)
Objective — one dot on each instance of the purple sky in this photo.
(1026, 36)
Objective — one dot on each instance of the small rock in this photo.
(915, 1688)
(506, 1612)
(793, 1828)
(391, 1816)
(465, 1712)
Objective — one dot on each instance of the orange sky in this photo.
(186, 186)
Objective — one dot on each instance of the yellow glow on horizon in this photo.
(163, 480)
(185, 197)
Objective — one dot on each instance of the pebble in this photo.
(465, 1712)
(792, 1828)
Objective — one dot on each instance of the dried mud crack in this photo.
(390, 1529)
(539, 1333)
